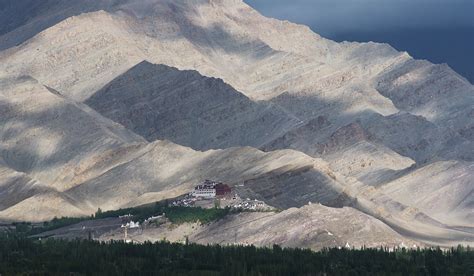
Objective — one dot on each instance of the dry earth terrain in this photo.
(115, 103)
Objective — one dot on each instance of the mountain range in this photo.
(117, 103)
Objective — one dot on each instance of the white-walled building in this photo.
(207, 191)
(211, 189)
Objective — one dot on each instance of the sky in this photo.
(441, 31)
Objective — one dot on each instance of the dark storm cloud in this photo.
(330, 16)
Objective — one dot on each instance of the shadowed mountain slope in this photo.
(160, 102)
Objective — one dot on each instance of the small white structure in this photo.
(127, 226)
(131, 225)
(134, 224)
(154, 219)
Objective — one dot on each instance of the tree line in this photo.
(21, 255)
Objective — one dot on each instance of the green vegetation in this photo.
(27, 228)
(177, 215)
(180, 215)
(20, 255)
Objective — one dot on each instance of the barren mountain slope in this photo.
(341, 82)
(202, 115)
(166, 168)
(160, 102)
(70, 155)
(435, 191)
(53, 139)
(16, 187)
(312, 226)
(55, 144)
(21, 20)
(374, 114)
